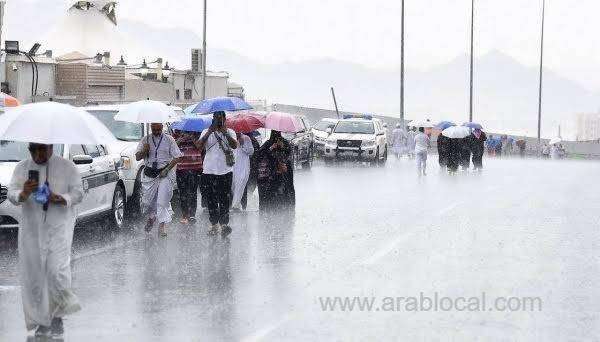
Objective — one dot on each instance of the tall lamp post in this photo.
(402, 70)
(471, 66)
(539, 126)
(204, 55)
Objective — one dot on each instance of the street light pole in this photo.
(471, 67)
(539, 127)
(204, 55)
(402, 70)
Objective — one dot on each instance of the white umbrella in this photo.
(456, 132)
(424, 124)
(53, 123)
(147, 111)
(554, 141)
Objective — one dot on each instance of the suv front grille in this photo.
(349, 143)
(3, 193)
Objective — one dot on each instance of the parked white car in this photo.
(104, 191)
(320, 133)
(357, 137)
(128, 136)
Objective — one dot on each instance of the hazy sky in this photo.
(368, 32)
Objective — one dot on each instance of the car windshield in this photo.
(14, 151)
(125, 131)
(359, 127)
(323, 125)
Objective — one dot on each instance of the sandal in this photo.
(149, 225)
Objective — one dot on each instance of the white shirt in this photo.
(421, 142)
(214, 159)
(163, 149)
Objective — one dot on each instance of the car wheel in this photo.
(375, 161)
(117, 217)
(134, 205)
(307, 164)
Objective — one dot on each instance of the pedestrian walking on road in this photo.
(443, 145)
(47, 188)
(188, 173)
(161, 155)
(275, 174)
(241, 172)
(465, 153)
(219, 144)
(477, 143)
(252, 177)
(421, 147)
(398, 141)
(454, 150)
(410, 142)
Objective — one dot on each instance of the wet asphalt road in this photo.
(522, 228)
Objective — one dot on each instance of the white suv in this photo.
(104, 192)
(320, 134)
(357, 137)
(128, 136)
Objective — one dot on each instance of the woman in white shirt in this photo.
(421, 146)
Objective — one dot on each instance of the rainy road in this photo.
(522, 229)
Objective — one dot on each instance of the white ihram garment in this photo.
(241, 170)
(157, 192)
(398, 141)
(45, 241)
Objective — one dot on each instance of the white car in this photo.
(104, 192)
(320, 134)
(357, 137)
(128, 136)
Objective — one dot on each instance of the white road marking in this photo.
(265, 331)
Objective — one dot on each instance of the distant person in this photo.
(443, 146)
(252, 177)
(47, 188)
(189, 170)
(509, 146)
(410, 141)
(275, 174)
(491, 145)
(477, 142)
(522, 145)
(498, 148)
(545, 151)
(465, 154)
(421, 147)
(554, 151)
(218, 142)
(160, 154)
(398, 141)
(454, 154)
(241, 172)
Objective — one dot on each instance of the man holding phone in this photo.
(47, 188)
(218, 142)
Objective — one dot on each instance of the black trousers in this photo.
(187, 183)
(218, 196)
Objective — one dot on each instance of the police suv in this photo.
(359, 137)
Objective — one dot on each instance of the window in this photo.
(92, 151)
(177, 96)
(125, 131)
(323, 125)
(102, 149)
(76, 150)
(187, 94)
(358, 127)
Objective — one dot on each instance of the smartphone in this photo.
(34, 175)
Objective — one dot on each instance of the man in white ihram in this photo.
(161, 155)
(45, 237)
(421, 147)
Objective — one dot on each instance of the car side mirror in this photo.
(329, 130)
(381, 133)
(82, 160)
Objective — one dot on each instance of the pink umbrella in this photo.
(283, 122)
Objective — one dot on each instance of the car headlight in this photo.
(368, 143)
(125, 163)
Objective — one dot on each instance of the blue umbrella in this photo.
(444, 124)
(188, 110)
(473, 125)
(221, 104)
(193, 124)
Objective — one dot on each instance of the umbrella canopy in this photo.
(283, 122)
(193, 123)
(220, 104)
(147, 111)
(424, 124)
(555, 141)
(8, 101)
(53, 123)
(473, 125)
(245, 123)
(456, 132)
(444, 124)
